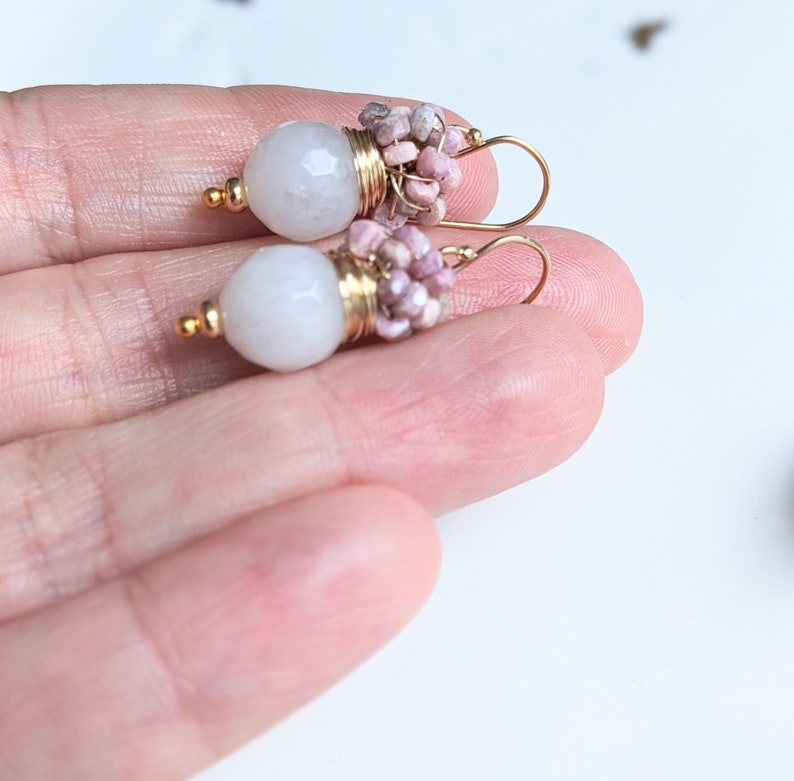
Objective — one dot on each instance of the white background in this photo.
(630, 615)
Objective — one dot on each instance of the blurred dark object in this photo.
(642, 35)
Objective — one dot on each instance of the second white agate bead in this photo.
(301, 181)
(282, 308)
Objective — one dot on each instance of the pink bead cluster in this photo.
(415, 277)
(417, 147)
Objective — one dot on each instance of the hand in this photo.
(189, 548)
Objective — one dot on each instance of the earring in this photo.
(307, 180)
(290, 306)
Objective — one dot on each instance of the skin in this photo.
(190, 549)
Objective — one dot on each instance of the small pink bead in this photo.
(394, 127)
(454, 141)
(365, 236)
(452, 179)
(439, 112)
(423, 118)
(413, 301)
(429, 316)
(429, 264)
(400, 153)
(438, 210)
(395, 254)
(392, 288)
(421, 193)
(432, 164)
(392, 330)
(414, 239)
(372, 113)
(382, 214)
(441, 282)
(408, 211)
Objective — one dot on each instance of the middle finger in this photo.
(449, 416)
(92, 342)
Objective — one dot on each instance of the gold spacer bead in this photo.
(234, 195)
(187, 327)
(213, 197)
(210, 320)
(474, 137)
(206, 321)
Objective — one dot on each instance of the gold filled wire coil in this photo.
(370, 169)
(358, 286)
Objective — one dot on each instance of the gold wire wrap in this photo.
(370, 169)
(358, 286)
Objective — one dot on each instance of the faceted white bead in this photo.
(301, 181)
(282, 308)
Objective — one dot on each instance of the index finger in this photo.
(98, 170)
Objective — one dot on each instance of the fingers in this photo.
(95, 170)
(449, 416)
(93, 342)
(589, 283)
(177, 664)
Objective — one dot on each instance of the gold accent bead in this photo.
(234, 193)
(207, 321)
(474, 137)
(209, 315)
(187, 327)
(213, 197)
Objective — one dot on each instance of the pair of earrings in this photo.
(288, 306)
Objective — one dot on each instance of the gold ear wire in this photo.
(476, 143)
(466, 256)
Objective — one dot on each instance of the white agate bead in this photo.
(301, 181)
(282, 308)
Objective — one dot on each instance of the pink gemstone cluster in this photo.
(418, 148)
(415, 278)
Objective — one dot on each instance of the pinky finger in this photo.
(162, 672)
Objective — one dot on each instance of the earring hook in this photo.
(477, 142)
(466, 256)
